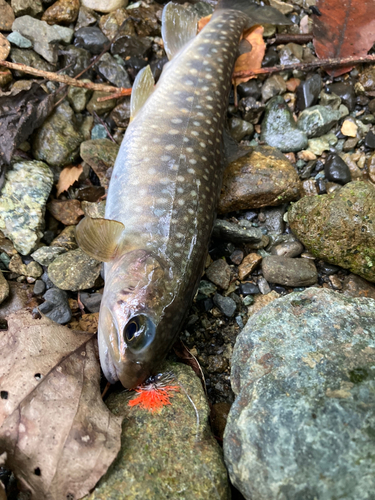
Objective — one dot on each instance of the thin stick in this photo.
(49, 75)
(320, 63)
(281, 38)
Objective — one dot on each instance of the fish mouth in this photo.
(108, 367)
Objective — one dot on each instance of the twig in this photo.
(291, 38)
(319, 63)
(49, 75)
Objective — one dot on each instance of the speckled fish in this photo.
(164, 190)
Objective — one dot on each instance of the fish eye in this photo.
(139, 332)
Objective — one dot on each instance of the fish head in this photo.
(133, 335)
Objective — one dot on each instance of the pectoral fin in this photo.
(142, 89)
(178, 27)
(101, 239)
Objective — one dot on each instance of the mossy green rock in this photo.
(302, 426)
(339, 227)
(22, 203)
(317, 120)
(57, 141)
(167, 454)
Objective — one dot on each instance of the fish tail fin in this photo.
(255, 13)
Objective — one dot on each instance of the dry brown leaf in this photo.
(68, 176)
(203, 21)
(59, 436)
(252, 60)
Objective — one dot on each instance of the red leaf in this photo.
(345, 28)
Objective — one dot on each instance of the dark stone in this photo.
(327, 269)
(91, 39)
(370, 140)
(345, 91)
(249, 89)
(127, 45)
(226, 305)
(76, 60)
(39, 287)
(112, 71)
(289, 272)
(271, 57)
(237, 256)
(207, 304)
(321, 185)
(306, 171)
(249, 289)
(56, 306)
(157, 67)
(251, 109)
(308, 92)
(219, 273)
(236, 233)
(336, 170)
(91, 301)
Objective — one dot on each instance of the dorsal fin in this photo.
(179, 26)
(101, 239)
(142, 89)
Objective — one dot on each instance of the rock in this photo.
(121, 113)
(79, 97)
(27, 7)
(112, 71)
(317, 120)
(226, 305)
(304, 389)
(321, 144)
(336, 170)
(219, 273)
(179, 433)
(338, 227)
(22, 203)
(91, 301)
(370, 140)
(349, 128)
(367, 79)
(101, 155)
(249, 289)
(131, 46)
(289, 272)
(331, 100)
(274, 222)
(6, 16)
(229, 231)
(91, 39)
(237, 256)
(346, 92)
(249, 89)
(75, 60)
(86, 17)
(104, 5)
(33, 270)
(291, 53)
(248, 265)
(4, 288)
(261, 301)
(263, 285)
(4, 47)
(56, 306)
(239, 128)
(308, 92)
(216, 364)
(251, 109)
(68, 212)
(283, 7)
(99, 132)
(218, 417)
(57, 141)
(94, 210)
(273, 86)
(262, 178)
(279, 129)
(43, 36)
(354, 286)
(6, 245)
(288, 248)
(66, 239)
(39, 287)
(46, 255)
(74, 270)
(100, 108)
(16, 265)
(62, 12)
(30, 58)
(89, 322)
(5, 77)
(113, 24)
(20, 41)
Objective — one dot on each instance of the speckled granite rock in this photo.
(22, 203)
(57, 141)
(303, 422)
(46, 255)
(339, 227)
(168, 454)
(262, 178)
(74, 270)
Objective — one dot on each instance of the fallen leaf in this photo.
(59, 436)
(252, 60)
(344, 29)
(68, 176)
(203, 21)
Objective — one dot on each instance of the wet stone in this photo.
(112, 71)
(332, 100)
(279, 129)
(30, 58)
(226, 305)
(249, 289)
(247, 266)
(76, 60)
(20, 41)
(62, 12)
(263, 286)
(289, 272)
(304, 390)
(317, 120)
(56, 306)
(86, 17)
(79, 97)
(308, 92)
(74, 270)
(346, 92)
(290, 248)
(27, 7)
(338, 227)
(336, 170)
(239, 128)
(292, 53)
(273, 86)
(39, 287)
(249, 89)
(91, 301)
(370, 140)
(251, 109)
(205, 289)
(98, 107)
(94, 210)
(113, 24)
(99, 132)
(4, 288)
(219, 273)
(237, 256)
(57, 141)
(26, 189)
(66, 239)
(101, 155)
(46, 255)
(133, 46)
(104, 5)
(320, 144)
(6, 16)
(90, 38)
(236, 233)
(367, 78)
(354, 286)
(68, 212)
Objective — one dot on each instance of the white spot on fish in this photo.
(156, 139)
(180, 190)
(151, 171)
(173, 132)
(190, 150)
(197, 124)
(176, 120)
(180, 178)
(191, 171)
(165, 180)
(194, 132)
(193, 71)
(192, 161)
(179, 235)
(181, 202)
(193, 193)
(190, 99)
(169, 147)
(165, 158)
(202, 144)
(208, 76)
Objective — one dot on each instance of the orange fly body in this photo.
(155, 393)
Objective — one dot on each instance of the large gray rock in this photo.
(303, 423)
(22, 203)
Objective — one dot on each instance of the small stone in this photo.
(6, 16)
(89, 322)
(283, 7)
(320, 144)
(291, 53)
(335, 282)
(76, 60)
(308, 92)
(27, 7)
(292, 248)
(370, 140)
(306, 155)
(68, 212)
(236, 233)
(248, 265)
(331, 100)
(219, 273)
(317, 120)
(4, 47)
(66, 239)
(91, 301)
(263, 286)
(91, 39)
(26, 189)
(99, 132)
(94, 210)
(100, 107)
(289, 272)
(346, 93)
(79, 97)
(62, 12)
(101, 155)
(74, 270)
(367, 79)
(349, 128)
(249, 289)
(46, 255)
(273, 86)
(5, 77)
(279, 129)
(39, 287)
(43, 36)
(239, 128)
(249, 89)
(56, 306)
(20, 41)
(4, 288)
(336, 170)
(354, 286)
(350, 144)
(261, 301)
(17, 266)
(309, 188)
(86, 17)
(30, 58)
(251, 109)
(34, 270)
(104, 5)
(237, 256)
(226, 305)
(112, 71)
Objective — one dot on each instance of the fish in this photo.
(164, 189)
